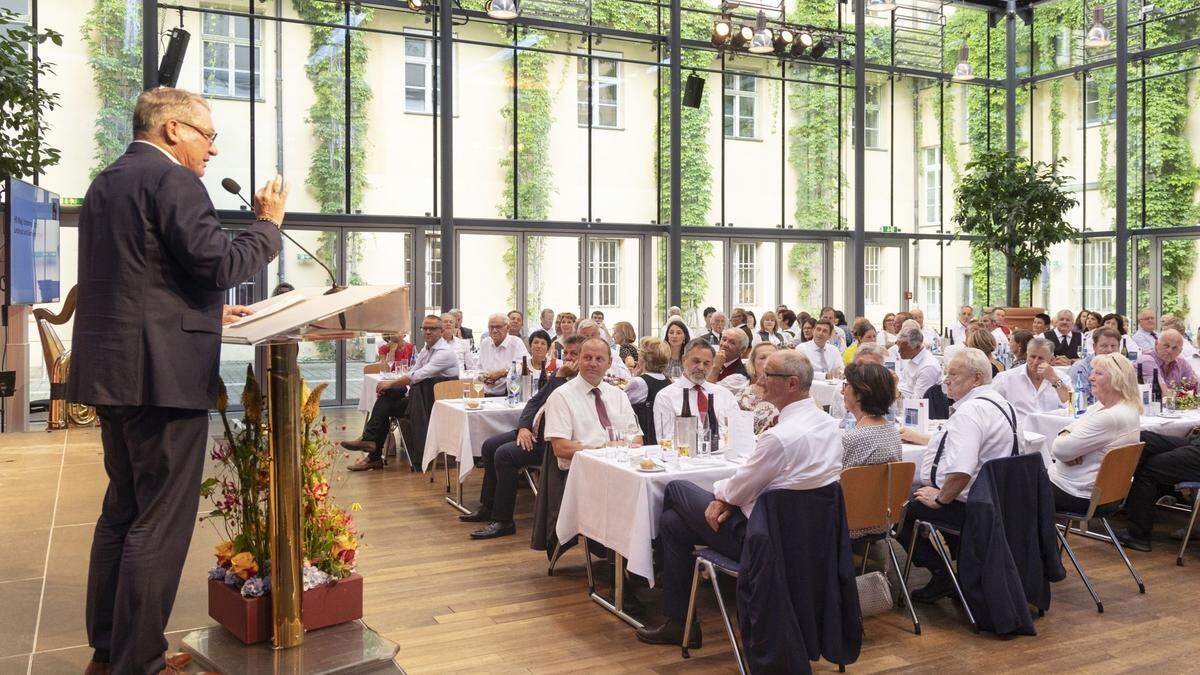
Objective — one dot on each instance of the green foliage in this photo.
(113, 34)
(23, 105)
(1017, 207)
(326, 71)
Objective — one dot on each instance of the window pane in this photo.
(552, 275)
(803, 277)
(484, 181)
(415, 47)
(487, 279)
(625, 166)
(216, 24)
(216, 55)
(383, 258)
(318, 360)
(702, 280)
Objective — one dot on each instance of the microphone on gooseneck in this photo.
(232, 187)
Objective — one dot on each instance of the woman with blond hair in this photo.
(984, 341)
(625, 340)
(1113, 421)
(768, 330)
(750, 397)
(654, 354)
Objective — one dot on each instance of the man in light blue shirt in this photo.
(1145, 336)
(1106, 341)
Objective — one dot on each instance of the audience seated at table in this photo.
(1164, 358)
(1166, 460)
(1189, 353)
(1117, 323)
(985, 342)
(1018, 343)
(739, 319)
(648, 382)
(750, 397)
(676, 336)
(590, 329)
(863, 331)
(516, 323)
(716, 323)
(497, 352)
(564, 326)
(459, 329)
(1111, 422)
(728, 370)
(769, 330)
(1066, 340)
(1087, 322)
(539, 354)
(1041, 323)
(958, 331)
(886, 335)
(1106, 341)
(867, 393)
(579, 413)
(1145, 336)
(436, 360)
(803, 451)
(625, 340)
(504, 455)
(981, 428)
(1034, 387)
(822, 352)
(923, 369)
(394, 351)
(928, 333)
(546, 323)
(788, 327)
(597, 318)
(462, 347)
(805, 326)
(698, 359)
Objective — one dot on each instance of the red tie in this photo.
(701, 402)
(601, 411)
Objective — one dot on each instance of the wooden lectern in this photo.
(279, 324)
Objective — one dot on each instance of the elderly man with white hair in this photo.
(728, 370)
(1166, 360)
(893, 352)
(1066, 340)
(929, 334)
(497, 352)
(1036, 386)
(982, 427)
(716, 325)
(1145, 336)
(923, 370)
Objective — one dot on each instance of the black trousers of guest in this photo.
(951, 515)
(502, 460)
(154, 458)
(391, 403)
(1065, 501)
(1166, 460)
(680, 528)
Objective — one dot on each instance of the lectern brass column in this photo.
(284, 527)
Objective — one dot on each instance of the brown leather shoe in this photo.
(670, 633)
(365, 464)
(359, 445)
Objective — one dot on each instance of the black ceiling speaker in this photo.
(693, 91)
(172, 60)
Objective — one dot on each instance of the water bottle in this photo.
(526, 380)
(1079, 396)
(514, 384)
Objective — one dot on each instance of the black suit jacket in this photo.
(1070, 349)
(537, 401)
(154, 266)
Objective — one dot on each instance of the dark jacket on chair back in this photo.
(154, 265)
(797, 594)
(1009, 552)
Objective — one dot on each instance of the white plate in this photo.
(656, 469)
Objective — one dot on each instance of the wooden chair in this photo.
(1112, 485)
(875, 496)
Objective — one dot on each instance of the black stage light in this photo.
(784, 38)
(742, 37)
(721, 30)
(819, 48)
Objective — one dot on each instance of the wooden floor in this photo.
(456, 605)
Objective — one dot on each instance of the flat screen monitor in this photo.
(31, 244)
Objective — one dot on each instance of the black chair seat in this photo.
(725, 564)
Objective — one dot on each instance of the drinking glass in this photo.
(705, 442)
(477, 386)
(1168, 402)
(466, 392)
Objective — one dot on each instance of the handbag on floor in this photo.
(874, 594)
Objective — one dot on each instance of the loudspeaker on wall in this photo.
(692, 91)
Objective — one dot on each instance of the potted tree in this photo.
(1018, 208)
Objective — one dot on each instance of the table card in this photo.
(916, 414)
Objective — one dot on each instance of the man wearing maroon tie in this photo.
(698, 357)
(579, 414)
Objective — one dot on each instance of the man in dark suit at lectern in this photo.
(154, 266)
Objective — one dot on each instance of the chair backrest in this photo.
(875, 494)
(448, 389)
(377, 367)
(1115, 475)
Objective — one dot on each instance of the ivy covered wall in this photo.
(113, 35)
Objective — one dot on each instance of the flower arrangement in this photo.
(239, 496)
(1185, 395)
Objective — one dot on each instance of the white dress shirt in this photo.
(821, 358)
(1145, 339)
(570, 413)
(160, 149)
(1091, 436)
(493, 357)
(922, 372)
(438, 360)
(975, 433)
(669, 403)
(803, 451)
(958, 333)
(885, 338)
(462, 348)
(1017, 388)
(1001, 341)
(637, 391)
(619, 369)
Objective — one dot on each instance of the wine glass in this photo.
(477, 386)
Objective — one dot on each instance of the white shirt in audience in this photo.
(975, 433)
(803, 451)
(493, 357)
(958, 332)
(821, 358)
(1096, 432)
(669, 403)
(920, 373)
(636, 389)
(462, 348)
(437, 360)
(570, 413)
(929, 336)
(1015, 387)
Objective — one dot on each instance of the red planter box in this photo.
(250, 618)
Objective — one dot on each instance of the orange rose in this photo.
(224, 551)
(244, 565)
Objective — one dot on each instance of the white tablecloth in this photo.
(823, 391)
(1050, 424)
(460, 433)
(366, 397)
(619, 506)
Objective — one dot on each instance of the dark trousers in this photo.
(502, 459)
(951, 515)
(1065, 501)
(391, 403)
(1166, 460)
(680, 528)
(154, 458)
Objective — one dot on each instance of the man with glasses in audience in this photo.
(496, 354)
(1034, 387)
(1145, 336)
(506, 454)
(698, 359)
(803, 451)
(437, 359)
